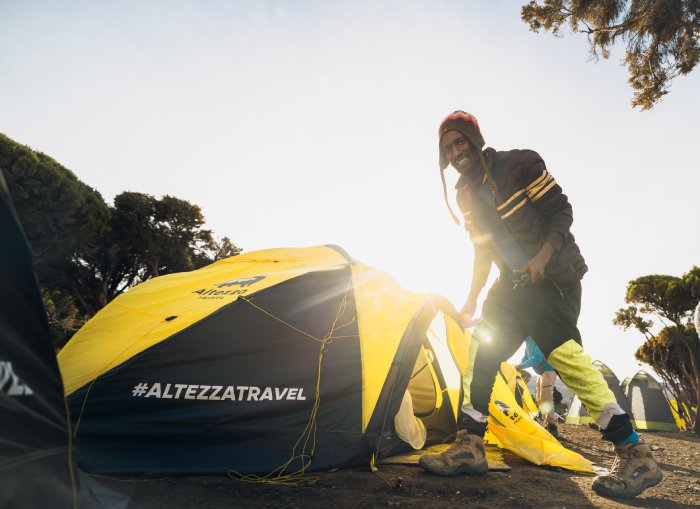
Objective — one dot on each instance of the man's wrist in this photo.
(545, 253)
(474, 293)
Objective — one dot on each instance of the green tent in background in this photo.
(650, 410)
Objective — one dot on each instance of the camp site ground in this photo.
(524, 486)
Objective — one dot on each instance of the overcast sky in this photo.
(296, 123)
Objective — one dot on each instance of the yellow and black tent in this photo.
(280, 360)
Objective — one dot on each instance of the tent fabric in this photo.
(650, 410)
(514, 427)
(522, 394)
(577, 413)
(274, 362)
(159, 309)
(680, 422)
(35, 441)
(408, 427)
(286, 357)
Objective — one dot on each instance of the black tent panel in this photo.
(236, 390)
(35, 462)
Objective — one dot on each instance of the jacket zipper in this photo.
(561, 294)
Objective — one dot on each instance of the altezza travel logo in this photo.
(159, 390)
(230, 287)
(508, 412)
(245, 281)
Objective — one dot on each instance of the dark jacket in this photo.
(532, 207)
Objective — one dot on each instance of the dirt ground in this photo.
(401, 486)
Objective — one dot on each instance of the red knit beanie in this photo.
(466, 124)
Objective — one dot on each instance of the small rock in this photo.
(681, 472)
(656, 448)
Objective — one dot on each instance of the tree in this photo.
(86, 253)
(61, 216)
(63, 219)
(62, 314)
(674, 351)
(219, 250)
(100, 276)
(661, 36)
(667, 353)
(164, 235)
(146, 237)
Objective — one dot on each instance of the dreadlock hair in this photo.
(455, 218)
(447, 201)
(466, 124)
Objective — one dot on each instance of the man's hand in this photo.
(535, 268)
(536, 265)
(467, 313)
(469, 308)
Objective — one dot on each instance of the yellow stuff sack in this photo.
(518, 432)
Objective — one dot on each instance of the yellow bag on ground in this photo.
(518, 432)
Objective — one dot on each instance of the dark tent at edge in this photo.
(36, 464)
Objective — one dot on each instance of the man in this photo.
(534, 358)
(518, 218)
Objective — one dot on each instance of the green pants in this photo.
(549, 315)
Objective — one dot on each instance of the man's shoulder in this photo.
(514, 158)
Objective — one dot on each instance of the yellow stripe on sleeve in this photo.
(538, 181)
(522, 202)
(535, 190)
(544, 191)
(505, 204)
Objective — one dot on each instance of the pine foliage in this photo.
(661, 37)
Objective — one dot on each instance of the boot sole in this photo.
(605, 492)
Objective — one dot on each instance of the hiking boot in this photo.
(553, 430)
(633, 471)
(466, 456)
